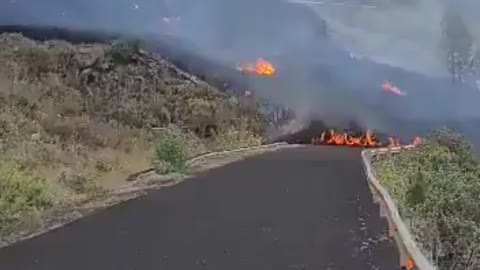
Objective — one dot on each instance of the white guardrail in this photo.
(410, 255)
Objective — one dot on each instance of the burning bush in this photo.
(437, 189)
(260, 67)
(367, 138)
(318, 133)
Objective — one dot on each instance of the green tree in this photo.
(458, 44)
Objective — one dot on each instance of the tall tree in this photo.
(458, 44)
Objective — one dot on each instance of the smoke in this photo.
(330, 59)
(223, 31)
(110, 15)
(406, 36)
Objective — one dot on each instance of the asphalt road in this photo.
(305, 208)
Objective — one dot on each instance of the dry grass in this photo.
(79, 119)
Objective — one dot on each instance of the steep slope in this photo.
(77, 119)
(118, 82)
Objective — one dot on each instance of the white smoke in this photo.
(406, 36)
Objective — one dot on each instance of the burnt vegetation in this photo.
(353, 134)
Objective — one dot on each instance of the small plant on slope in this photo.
(170, 155)
(22, 193)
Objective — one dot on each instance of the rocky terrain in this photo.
(77, 119)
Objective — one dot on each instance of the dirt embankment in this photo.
(77, 119)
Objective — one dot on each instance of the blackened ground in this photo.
(179, 52)
(302, 208)
(305, 135)
(316, 127)
(42, 33)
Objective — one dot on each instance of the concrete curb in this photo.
(213, 154)
(193, 160)
(410, 255)
(125, 193)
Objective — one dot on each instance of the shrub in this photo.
(170, 154)
(232, 139)
(437, 189)
(21, 193)
(123, 50)
(81, 183)
(454, 141)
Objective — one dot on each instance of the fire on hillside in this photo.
(259, 67)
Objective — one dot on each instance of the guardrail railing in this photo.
(411, 256)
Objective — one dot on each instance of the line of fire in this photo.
(366, 138)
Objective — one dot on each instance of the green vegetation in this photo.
(22, 193)
(170, 155)
(437, 189)
(234, 138)
(77, 120)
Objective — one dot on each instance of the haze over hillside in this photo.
(406, 34)
(317, 53)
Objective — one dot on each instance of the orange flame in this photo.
(417, 141)
(393, 141)
(409, 263)
(388, 86)
(335, 138)
(367, 139)
(260, 67)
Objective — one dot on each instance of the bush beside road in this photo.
(77, 120)
(436, 187)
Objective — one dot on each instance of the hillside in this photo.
(77, 119)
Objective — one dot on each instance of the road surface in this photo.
(302, 208)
